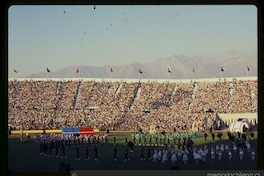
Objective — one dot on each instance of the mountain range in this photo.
(209, 66)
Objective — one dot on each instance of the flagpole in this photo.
(139, 76)
(110, 75)
(220, 73)
(47, 74)
(247, 72)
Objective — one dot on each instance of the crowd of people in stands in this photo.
(126, 106)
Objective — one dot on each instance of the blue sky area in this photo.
(45, 36)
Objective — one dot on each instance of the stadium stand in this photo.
(121, 105)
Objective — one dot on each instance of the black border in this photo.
(4, 65)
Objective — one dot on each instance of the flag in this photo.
(169, 70)
(222, 69)
(140, 71)
(193, 70)
(15, 71)
(48, 70)
(111, 70)
(248, 68)
(77, 71)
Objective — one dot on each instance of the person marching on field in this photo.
(63, 141)
(96, 154)
(149, 157)
(185, 158)
(77, 153)
(239, 135)
(87, 154)
(45, 148)
(164, 139)
(58, 142)
(222, 148)
(248, 146)
(145, 140)
(98, 140)
(93, 140)
(74, 141)
(205, 136)
(160, 140)
(155, 155)
(230, 155)
(196, 156)
(106, 141)
(241, 154)
(114, 140)
(227, 148)
(159, 154)
(173, 157)
(52, 144)
(63, 152)
(50, 149)
(142, 154)
(253, 154)
(125, 141)
(69, 141)
(57, 151)
(103, 138)
(82, 140)
(235, 148)
(165, 156)
(115, 153)
(89, 140)
(126, 155)
(179, 143)
(219, 135)
(41, 148)
(219, 155)
(213, 136)
(212, 154)
(78, 141)
(139, 140)
(66, 141)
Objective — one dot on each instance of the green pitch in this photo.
(25, 157)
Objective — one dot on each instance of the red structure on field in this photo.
(87, 131)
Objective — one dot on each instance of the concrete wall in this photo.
(135, 80)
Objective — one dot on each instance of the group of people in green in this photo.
(160, 138)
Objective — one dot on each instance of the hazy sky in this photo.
(45, 36)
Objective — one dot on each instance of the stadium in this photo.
(118, 108)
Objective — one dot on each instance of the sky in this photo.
(60, 36)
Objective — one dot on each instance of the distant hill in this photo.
(234, 63)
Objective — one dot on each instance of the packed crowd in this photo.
(125, 106)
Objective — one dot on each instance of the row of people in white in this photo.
(198, 154)
(226, 148)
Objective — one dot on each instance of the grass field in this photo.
(25, 157)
